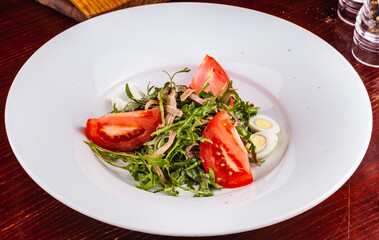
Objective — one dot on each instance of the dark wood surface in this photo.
(28, 212)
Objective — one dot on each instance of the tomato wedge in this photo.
(209, 69)
(226, 155)
(123, 131)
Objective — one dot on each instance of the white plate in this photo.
(295, 77)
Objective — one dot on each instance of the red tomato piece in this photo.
(123, 131)
(209, 69)
(226, 155)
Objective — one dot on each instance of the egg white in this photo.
(120, 103)
(135, 91)
(271, 142)
(275, 128)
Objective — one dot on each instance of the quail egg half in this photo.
(264, 143)
(265, 138)
(262, 122)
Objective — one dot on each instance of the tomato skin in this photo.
(226, 155)
(123, 131)
(211, 69)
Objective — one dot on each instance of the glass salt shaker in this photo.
(366, 34)
(348, 10)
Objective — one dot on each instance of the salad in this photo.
(195, 138)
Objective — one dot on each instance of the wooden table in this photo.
(28, 212)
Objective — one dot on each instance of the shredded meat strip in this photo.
(190, 93)
(150, 103)
(230, 95)
(169, 118)
(182, 88)
(225, 106)
(174, 111)
(186, 94)
(162, 150)
(236, 121)
(189, 153)
(166, 146)
(198, 99)
(204, 121)
(159, 172)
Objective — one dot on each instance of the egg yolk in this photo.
(262, 123)
(259, 142)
